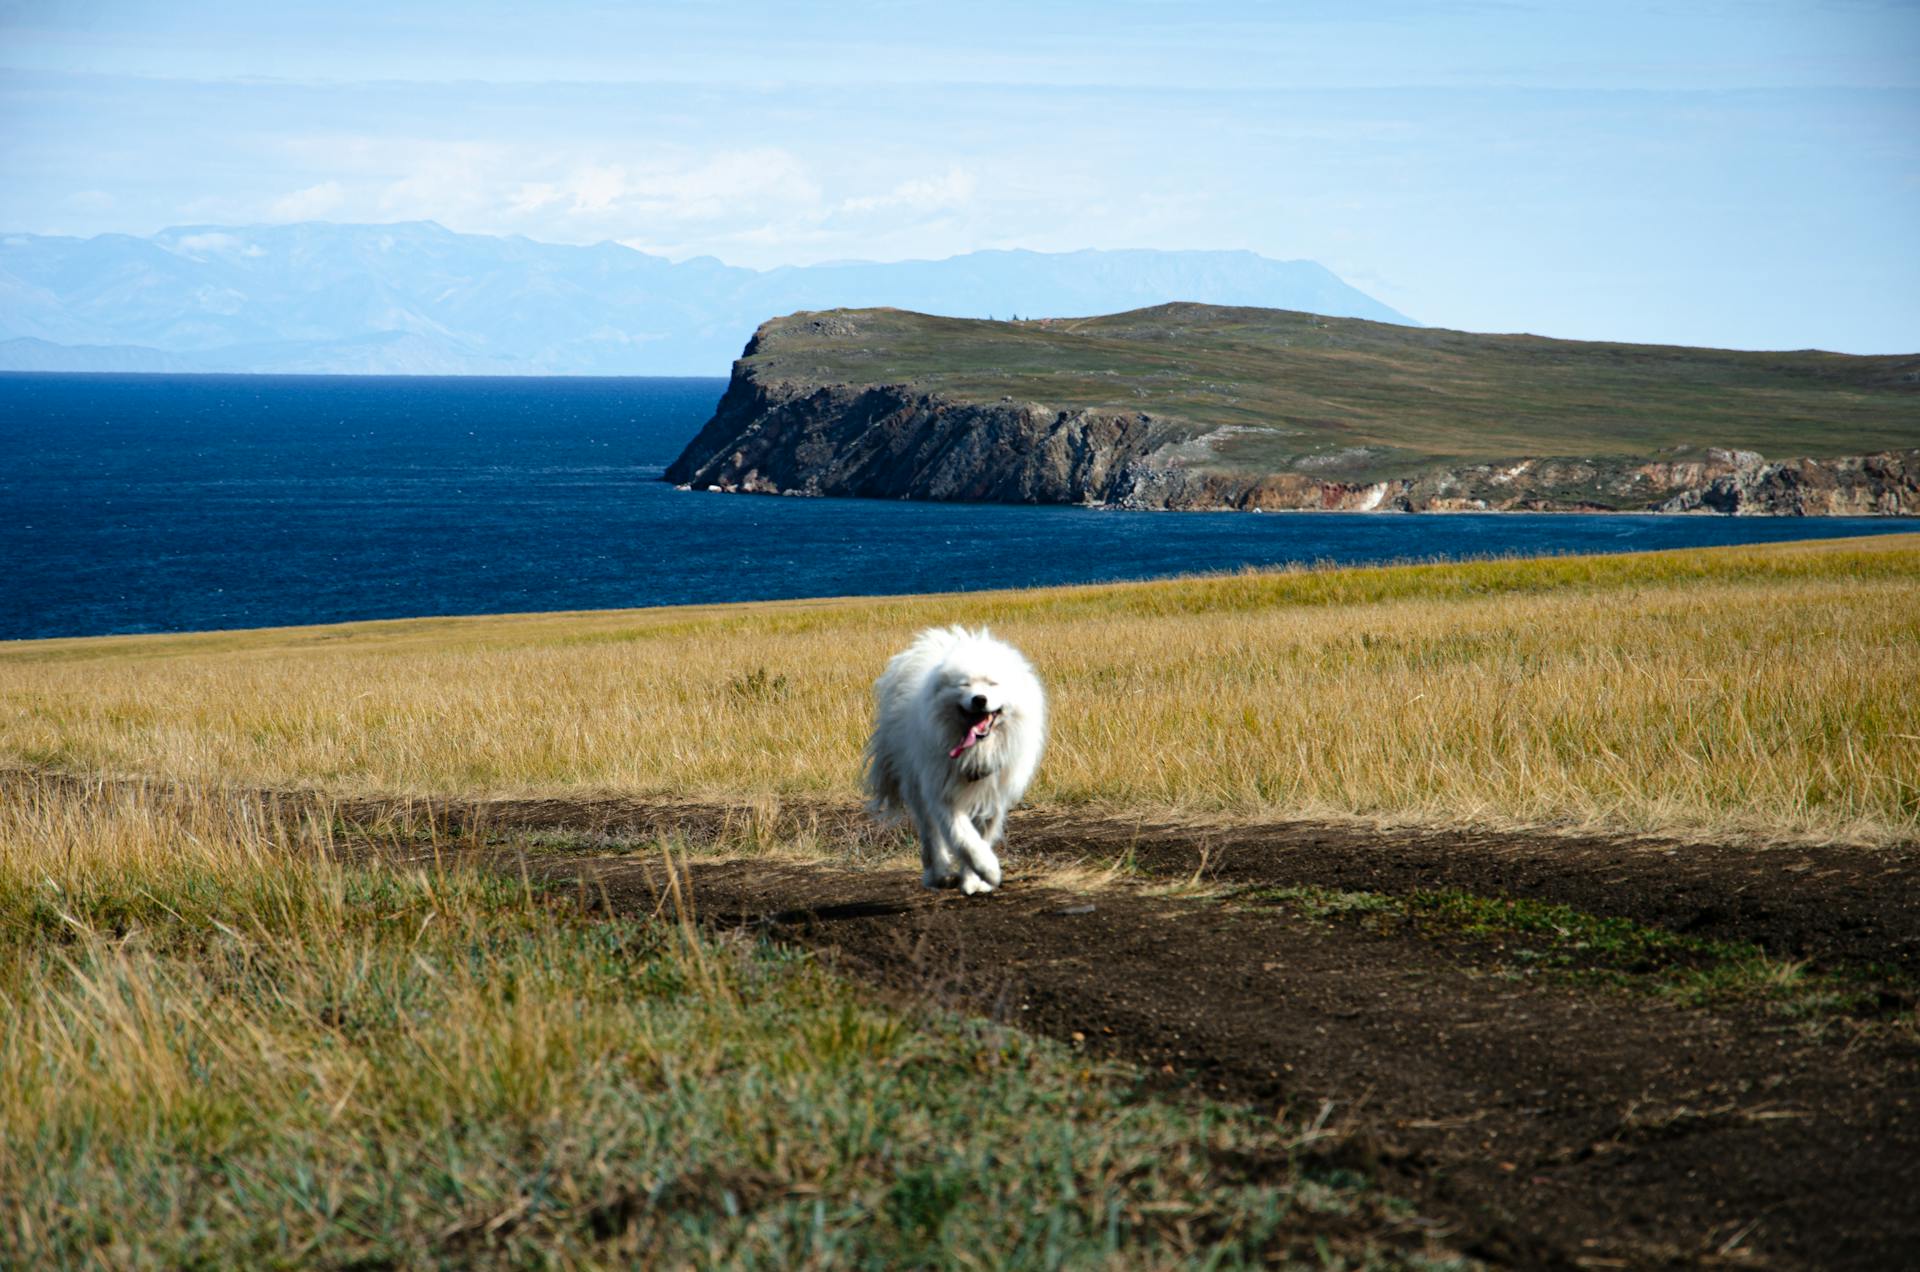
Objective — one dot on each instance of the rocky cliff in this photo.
(780, 429)
(887, 442)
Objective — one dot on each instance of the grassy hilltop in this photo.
(1357, 400)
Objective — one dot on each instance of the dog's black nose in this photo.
(979, 702)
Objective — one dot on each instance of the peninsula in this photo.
(1187, 406)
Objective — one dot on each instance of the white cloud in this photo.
(425, 181)
(951, 189)
(760, 205)
(309, 204)
(575, 194)
(598, 188)
(724, 187)
(532, 196)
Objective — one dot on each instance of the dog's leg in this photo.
(937, 867)
(995, 825)
(989, 826)
(981, 872)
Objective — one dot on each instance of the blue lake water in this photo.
(167, 503)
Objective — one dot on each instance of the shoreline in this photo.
(1700, 512)
(332, 627)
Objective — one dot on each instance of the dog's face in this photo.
(976, 696)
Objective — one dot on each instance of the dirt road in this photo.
(1556, 1120)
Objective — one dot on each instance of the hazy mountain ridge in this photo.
(25, 353)
(416, 298)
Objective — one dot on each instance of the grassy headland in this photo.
(1363, 401)
(1766, 691)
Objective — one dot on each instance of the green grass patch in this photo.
(1525, 937)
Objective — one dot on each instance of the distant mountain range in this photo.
(417, 298)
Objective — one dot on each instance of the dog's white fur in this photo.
(926, 704)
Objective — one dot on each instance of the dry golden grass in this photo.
(219, 1048)
(1768, 691)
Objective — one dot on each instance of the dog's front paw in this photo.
(973, 885)
(933, 880)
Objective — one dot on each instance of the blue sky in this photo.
(1742, 174)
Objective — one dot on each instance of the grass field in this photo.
(1767, 692)
(1367, 401)
(220, 1049)
(231, 1037)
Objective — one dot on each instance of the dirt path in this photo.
(1555, 1126)
(1820, 903)
(1551, 1121)
(1555, 1123)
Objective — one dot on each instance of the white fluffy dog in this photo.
(959, 721)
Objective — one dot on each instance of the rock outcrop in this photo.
(887, 442)
(1887, 484)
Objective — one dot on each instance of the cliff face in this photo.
(1887, 484)
(887, 442)
(890, 442)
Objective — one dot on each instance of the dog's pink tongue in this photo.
(977, 731)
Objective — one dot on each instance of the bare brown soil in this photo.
(1823, 903)
(1550, 1122)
